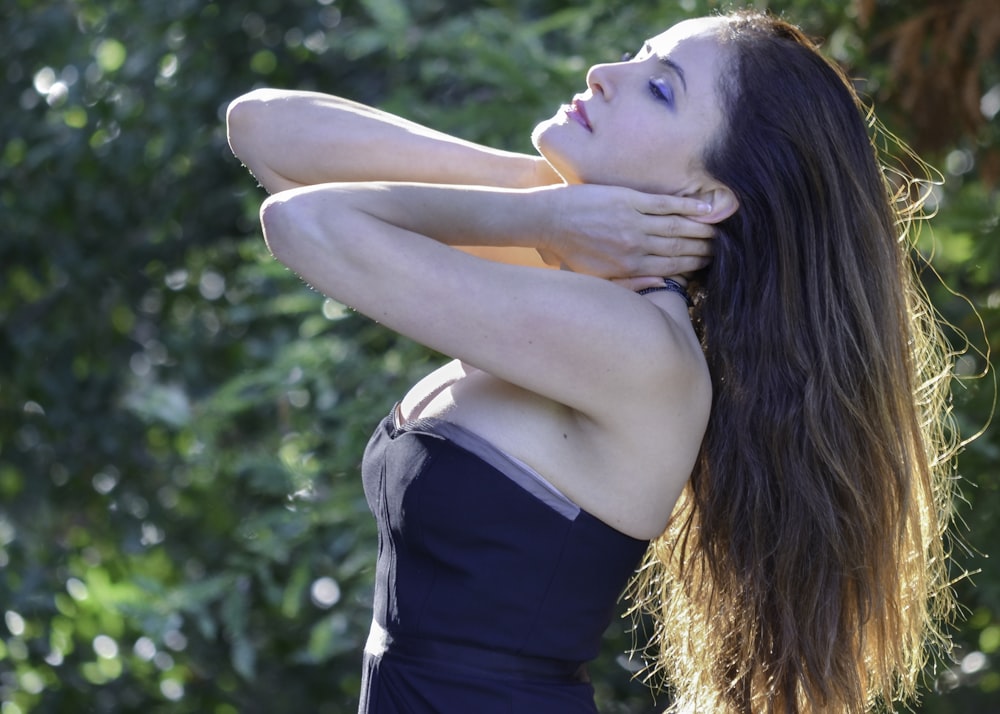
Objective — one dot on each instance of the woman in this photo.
(782, 458)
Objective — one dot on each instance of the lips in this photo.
(578, 113)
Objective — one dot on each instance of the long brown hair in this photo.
(804, 569)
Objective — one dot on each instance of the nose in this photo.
(599, 80)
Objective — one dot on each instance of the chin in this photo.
(540, 139)
(537, 135)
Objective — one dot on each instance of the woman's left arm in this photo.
(384, 250)
(290, 139)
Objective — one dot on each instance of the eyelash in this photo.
(661, 90)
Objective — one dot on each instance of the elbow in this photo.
(298, 234)
(245, 122)
(310, 231)
(279, 224)
(294, 228)
(241, 115)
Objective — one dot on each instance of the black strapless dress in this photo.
(492, 588)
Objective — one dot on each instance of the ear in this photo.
(722, 200)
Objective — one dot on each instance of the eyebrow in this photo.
(669, 64)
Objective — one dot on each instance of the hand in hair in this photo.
(631, 237)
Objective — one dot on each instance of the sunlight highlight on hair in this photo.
(806, 565)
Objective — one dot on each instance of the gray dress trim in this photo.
(510, 466)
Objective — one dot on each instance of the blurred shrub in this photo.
(182, 527)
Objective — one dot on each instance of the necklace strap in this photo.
(671, 286)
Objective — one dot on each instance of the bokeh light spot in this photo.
(325, 592)
(110, 55)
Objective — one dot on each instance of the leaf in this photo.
(294, 592)
(327, 639)
(244, 657)
(390, 16)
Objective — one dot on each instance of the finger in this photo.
(660, 265)
(678, 227)
(662, 205)
(673, 247)
(647, 281)
(629, 283)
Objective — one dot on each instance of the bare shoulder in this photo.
(649, 440)
(668, 378)
(627, 462)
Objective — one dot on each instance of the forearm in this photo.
(605, 231)
(366, 224)
(290, 139)
(459, 216)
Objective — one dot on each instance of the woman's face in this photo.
(643, 123)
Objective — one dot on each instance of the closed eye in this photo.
(662, 90)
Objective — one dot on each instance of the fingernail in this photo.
(704, 207)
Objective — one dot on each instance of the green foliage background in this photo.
(182, 527)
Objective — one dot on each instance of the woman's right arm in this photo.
(290, 139)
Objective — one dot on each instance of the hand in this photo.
(631, 237)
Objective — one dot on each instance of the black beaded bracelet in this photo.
(669, 285)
